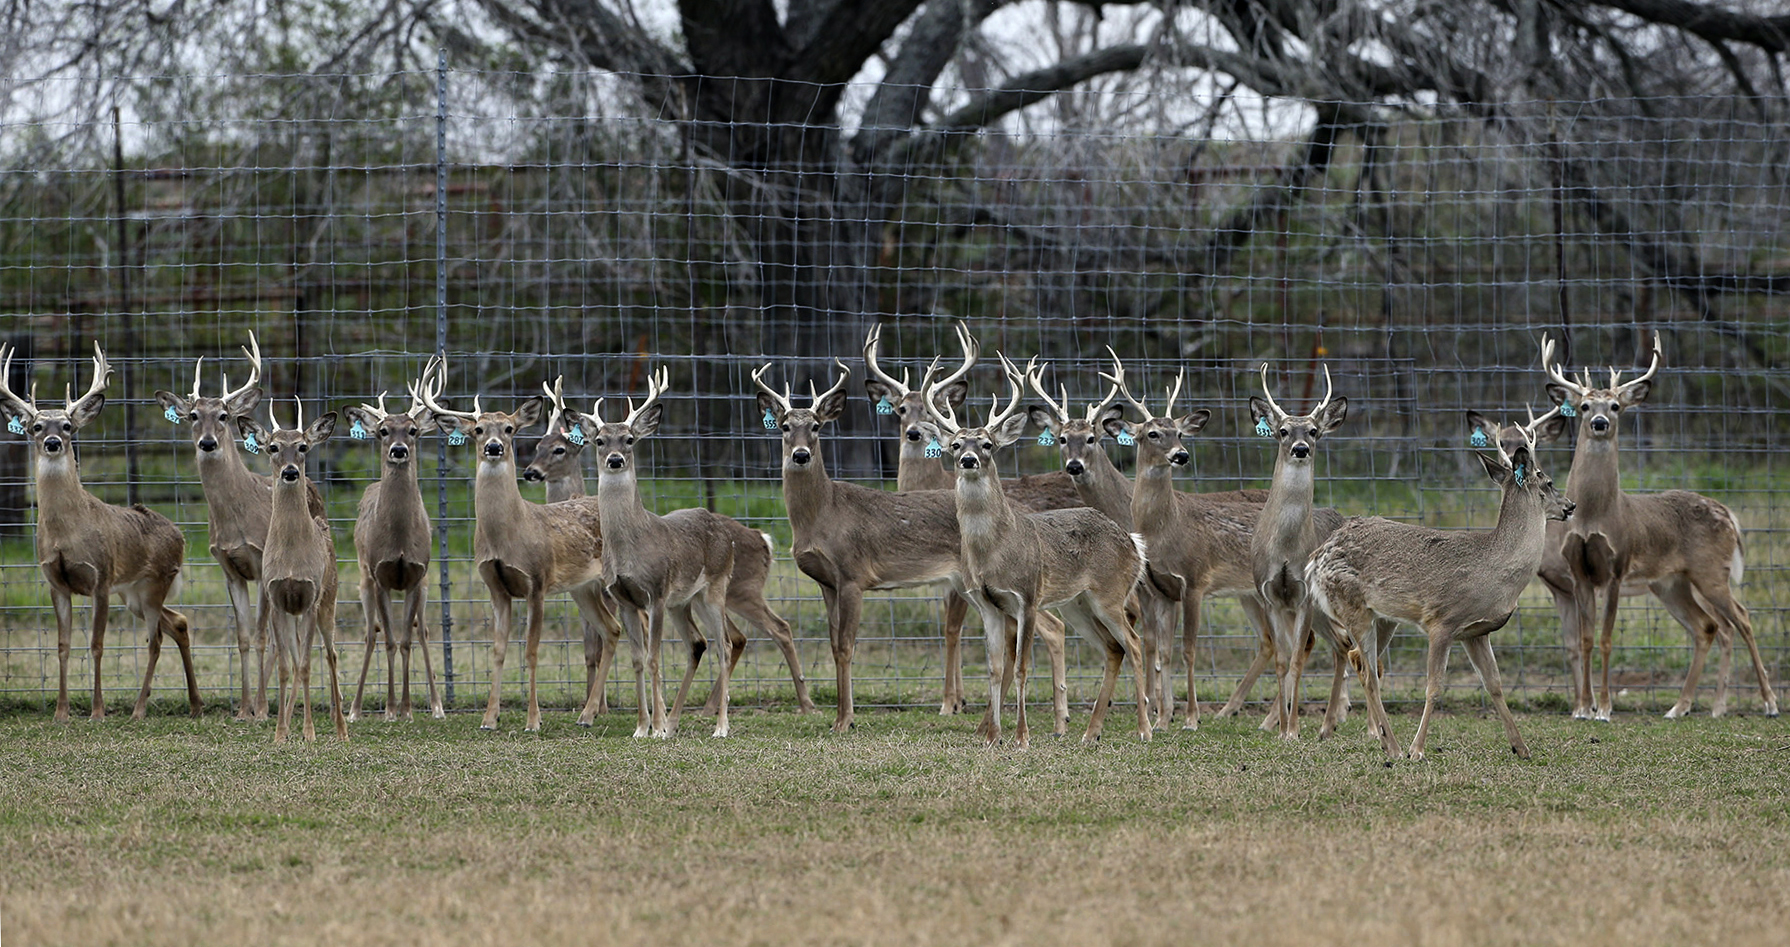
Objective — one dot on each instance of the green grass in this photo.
(907, 831)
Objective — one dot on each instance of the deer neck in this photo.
(400, 495)
(1596, 480)
(807, 496)
(1153, 499)
(497, 504)
(984, 516)
(223, 471)
(916, 471)
(1286, 516)
(1104, 488)
(63, 503)
(1520, 538)
(566, 488)
(619, 505)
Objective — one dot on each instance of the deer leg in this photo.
(1567, 611)
(655, 636)
(154, 642)
(995, 635)
(681, 620)
(174, 625)
(1612, 599)
(1289, 638)
(285, 654)
(501, 617)
(1158, 636)
(1264, 657)
(1050, 630)
(1738, 619)
(1675, 594)
(371, 599)
(414, 601)
(1479, 654)
(537, 624)
(1585, 600)
(600, 642)
(96, 645)
(326, 623)
(1367, 667)
(1300, 651)
(1190, 636)
(733, 648)
(956, 608)
(635, 622)
(65, 619)
(1026, 628)
(1435, 674)
(759, 615)
(846, 607)
(711, 606)
(238, 590)
(304, 671)
(406, 642)
(266, 648)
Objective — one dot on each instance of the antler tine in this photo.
(556, 397)
(436, 372)
(1535, 422)
(781, 399)
(1652, 368)
(197, 366)
(253, 351)
(972, 350)
(1035, 378)
(1015, 381)
(844, 376)
(1554, 373)
(1328, 391)
(1268, 394)
(1168, 410)
(1118, 379)
(942, 413)
(7, 351)
(380, 408)
(101, 374)
(657, 383)
(871, 342)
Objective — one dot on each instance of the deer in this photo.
(919, 466)
(1683, 546)
(1289, 528)
(298, 571)
(1455, 585)
(86, 546)
(1016, 562)
(521, 549)
(238, 504)
(851, 539)
(391, 544)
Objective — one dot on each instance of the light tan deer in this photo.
(521, 549)
(920, 466)
(851, 539)
(298, 571)
(1016, 562)
(238, 503)
(391, 543)
(1289, 528)
(1456, 585)
(1685, 546)
(86, 546)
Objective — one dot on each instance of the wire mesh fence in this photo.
(599, 226)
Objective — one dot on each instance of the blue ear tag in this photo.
(884, 407)
(770, 420)
(1126, 439)
(1521, 473)
(250, 444)
(1567, 410)
(455, 437)
(172, 415)
(357, 432)
(934, 448)
(1045, 438)
(16, 426)
(575, 434)
(1478, 438)
(1262, 429)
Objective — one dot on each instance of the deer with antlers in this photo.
(391, 542)
(1456, 585)
(521, 549)
(298, 571)
(86, 546)
(1685, 547)
(238, 504)
(851, 539)
(1016, 562)
(1289, 528)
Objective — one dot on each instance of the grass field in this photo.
(172, 831)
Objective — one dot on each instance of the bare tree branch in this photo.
(1770, 33)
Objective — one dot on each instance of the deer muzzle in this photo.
(1074, 468)
(533, 476)
(208, 443)
(290, 473)
(1179, 458)
(493, 449)
(1301, 450)
(399, 452)
(1600, 424)
(800, 456)
(52, 444)
(615, 462)
(913, 434)
(968, 462)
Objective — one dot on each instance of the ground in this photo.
(906, 831)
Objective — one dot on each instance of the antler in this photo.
(1035, 378)
(946, 418)
(844, 376)
(1535, 423)
(7, 351)
(1269, 395)
(556, 397)
(101, 373)
(379, 408)
(435, 380)
(197, 366)
(1328, 391)
(1556, 375)
(253, 351)
(1118, 380)
(1015, 381)
(781, 399)
(1652, 369)
(656, 385)
(870, 343)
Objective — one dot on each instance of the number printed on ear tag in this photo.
(576, 435)
(1478, 439)
(770, 420)
(1567, 411)
(934, 448)
(357, 432)
(172, 415)
(15, 425)
(1262, 429)
(251, 445)
(884, 407)
(456, 438)
(1126, 439)
(1046, 438)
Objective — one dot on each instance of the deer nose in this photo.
(1073, 468)
(289, 473)
(493, 448)
(1179, 458)
(533, 476)
(399, 452)
(1600, 424)
(615, 462)
(208, 444)
(52, 444)
(913, 434)
(801, 456)
(967, 462)
(1301, 450)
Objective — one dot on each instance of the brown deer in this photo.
(238, 503)
(1286, 532)
(298, 571)
(920, 466)
(391, 543)
(521, 549)
(1684, 546)
(86, 546)
(1456, 585)
(1015, 562)
(851, 539)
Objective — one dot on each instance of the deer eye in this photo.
(385, 432)
(901, 409)
(597, 442)
(557, 451)
(1585, 408)
(479, 430)
(1615, 407)
(302, 448)
(786, 429)
(509, 429)
(628, 441)
(988, 445)
(1283, 432)
(1093, 439)
(37, 427)
(1155, 435)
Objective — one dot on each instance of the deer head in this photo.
(614, 440)
(972, 449)
(397, 432)
(52, 430)
(287, 447)
(1158, 436)
(1600, 407)
(801, 426)
(493, 431)
(1511, 461)
(212, 419)
(1297, 434)
(894, 397)
(1079, 437)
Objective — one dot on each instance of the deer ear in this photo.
(528, 413)
(830, 406)
(1044, 419)
(1190, 424)
(877, 391)
(1634, 392)
(648, 422)
(1557, 394)
(769, 406)
(1259, 409)
(1011, 429)
(244, 403)
(247, 426)
(427, 422)
(450, 422)
(934, 434)
(368, 422)
(1552, 430)
(1486, 431)
(954, 394)
(87, 411)
(173, 402)
(1115, 425)
(1111, 412)
(1333, 414)
(321, 429)
(1494, 468)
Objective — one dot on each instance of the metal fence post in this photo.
(441, 524)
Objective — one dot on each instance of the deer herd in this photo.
(1121, 563)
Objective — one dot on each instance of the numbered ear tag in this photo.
(1045, 438)
(934, 448)
(575, 434)
(1262, 429)
(357, 432)
(1522, 474)
(770, 420)
(250, 444)
(172, 415)
(884, 407)
(1126, 439)
(1567, 410)
(15, 425)
(1478, 439)
(456, 437)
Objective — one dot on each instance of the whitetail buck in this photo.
(391, 543)
(1684, 546)
(521, 549)
(1456, 585)
(920, 466)
(1016, 562)
(238, 503)
(851, 539)
(1287, 531)
(298, 571)
(86, 546)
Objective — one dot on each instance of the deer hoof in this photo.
(1676, 711)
